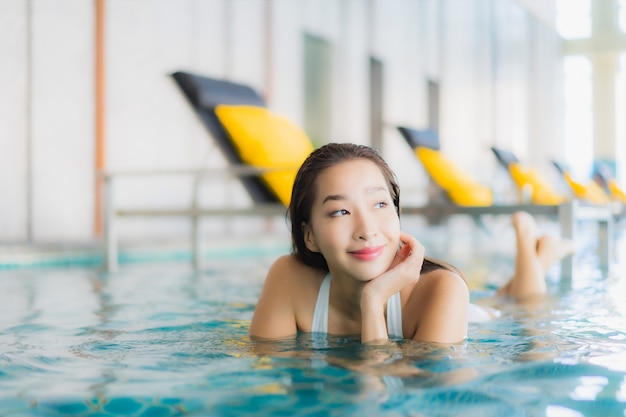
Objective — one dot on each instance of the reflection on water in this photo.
(161, 340)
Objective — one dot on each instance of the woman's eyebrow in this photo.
(369, 190)
(333, 197)
(375, 189)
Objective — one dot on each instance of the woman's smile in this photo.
(368, 253)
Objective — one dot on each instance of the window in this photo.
(433, 104)
(620, 128)
(578, 115)
(376, 103)
(317, 88)
(573, 18)
(621, 15)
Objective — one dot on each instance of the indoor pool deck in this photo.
(18, 256)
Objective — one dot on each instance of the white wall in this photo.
(14, 175)
(492, 59)
(47, 120)
(62, 104)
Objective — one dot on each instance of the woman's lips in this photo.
(367, 254)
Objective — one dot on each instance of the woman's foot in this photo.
(551, 249)
(525, 226)
(535, 255)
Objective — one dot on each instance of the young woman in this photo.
(354, 272)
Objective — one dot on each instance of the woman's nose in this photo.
(365, 228)
(367, 235)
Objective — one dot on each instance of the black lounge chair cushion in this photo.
(204, 94)
(427, 138)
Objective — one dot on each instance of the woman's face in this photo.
(354, 224)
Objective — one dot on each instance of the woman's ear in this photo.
(309, 238)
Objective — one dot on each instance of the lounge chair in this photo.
(464, 195)
(459, 187)
(590, 191)
(604, 178)
(530, 183)
(264, 151)
(248, 133)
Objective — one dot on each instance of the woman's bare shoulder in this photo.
(444, 279)
(441, 283)
(290, 264)
(437, 308)
(287, 269)
(287, 299)
(291, 283)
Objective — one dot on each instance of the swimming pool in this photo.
(157, 339)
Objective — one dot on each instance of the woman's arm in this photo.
(441, 301)
(404, 271)
(373, 324)
(274, 315)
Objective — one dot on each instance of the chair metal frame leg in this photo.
(196, 242)
(568, 224)
(570, 214)
(110, 232)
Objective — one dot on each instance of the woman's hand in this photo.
(403, 271)
(410, 257)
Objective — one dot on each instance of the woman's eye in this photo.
(338, 213)
(381, 204)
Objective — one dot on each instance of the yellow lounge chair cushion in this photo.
(461, 189)
(264, 139)
(591, 192)
(616, 192)
(541, 193)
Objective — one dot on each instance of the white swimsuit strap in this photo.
(394, 316)
(320, 315)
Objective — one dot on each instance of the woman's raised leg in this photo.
(535, 255)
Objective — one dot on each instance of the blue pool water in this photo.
(158, 339)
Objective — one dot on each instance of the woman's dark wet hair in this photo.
(303, 191)
(303, 196)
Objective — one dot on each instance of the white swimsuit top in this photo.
(320, 315)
